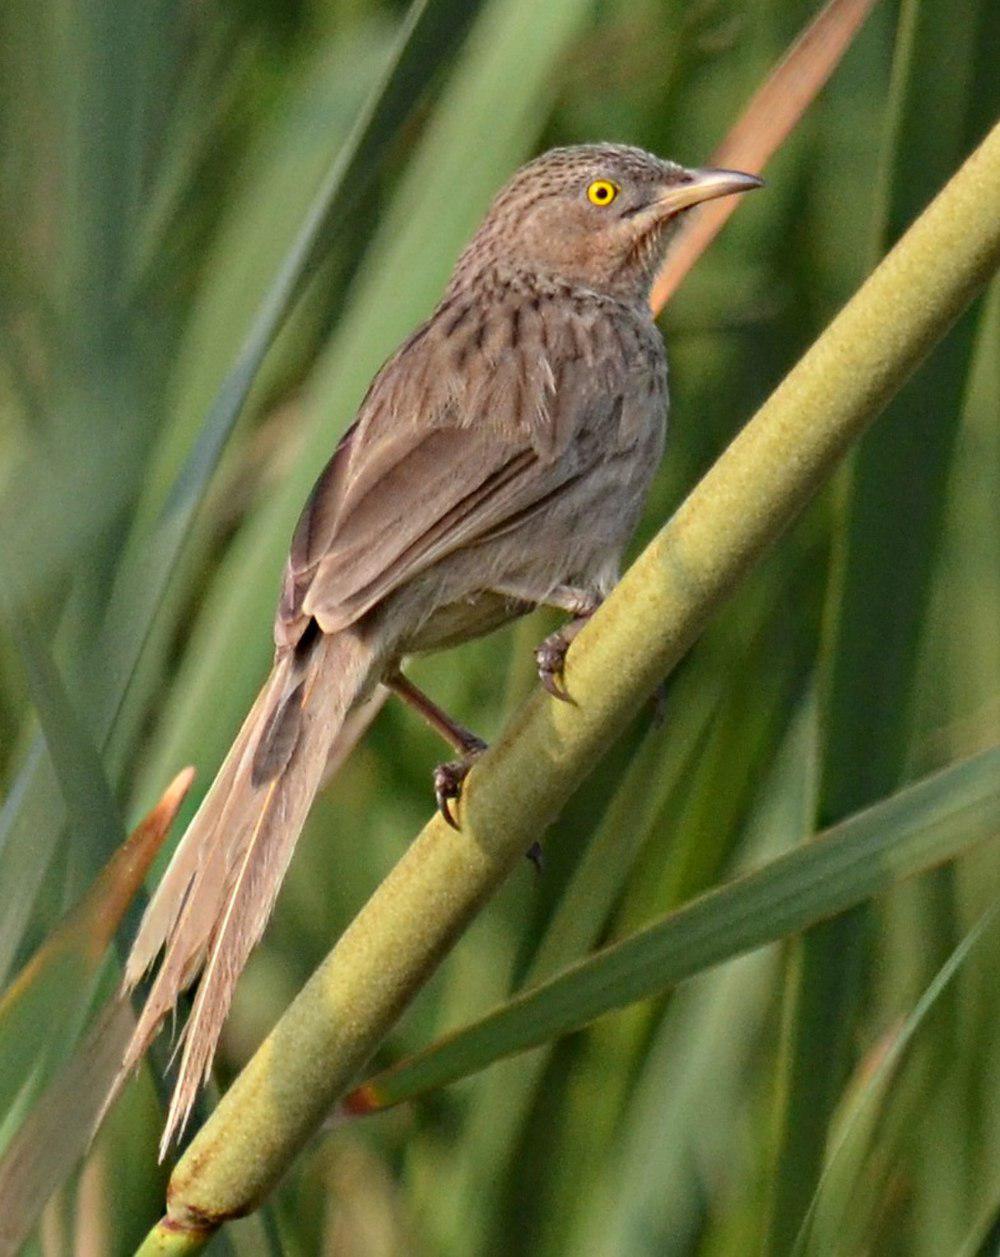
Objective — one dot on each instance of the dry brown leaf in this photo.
(57, 1130)
(772, 113)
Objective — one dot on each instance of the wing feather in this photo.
(450, 447)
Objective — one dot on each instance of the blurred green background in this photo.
(157, 163)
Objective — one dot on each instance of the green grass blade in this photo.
(31, 817)
(74, 119)
(829, 1218)
(427, 36)
(679, 1115)
(983, 1239)
(90, 804)
(882, 585)
(701, 835)
(665, 805)
(504, 1097)
(902, 467)
(43, 1009)
(64, 766)
(32, 820)
(923, 826)
(96, 99)
(54, 1136)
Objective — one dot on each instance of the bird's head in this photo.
(596, 215)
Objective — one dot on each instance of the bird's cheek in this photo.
(545, 240)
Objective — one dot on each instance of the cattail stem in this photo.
(747, 499)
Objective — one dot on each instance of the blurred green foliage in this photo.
(158, 163)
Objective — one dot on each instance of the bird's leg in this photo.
(551, 654)
(448, 777)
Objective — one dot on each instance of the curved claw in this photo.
(549, 658)
(448, 780)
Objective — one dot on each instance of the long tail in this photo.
(211, 907)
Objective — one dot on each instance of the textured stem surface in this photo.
(776, 463)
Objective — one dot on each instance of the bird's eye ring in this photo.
(602, 192)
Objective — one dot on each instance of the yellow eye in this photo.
(602, 192)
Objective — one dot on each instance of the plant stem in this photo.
(168, 1240)
(745, 501)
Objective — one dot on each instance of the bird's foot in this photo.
(549, 659)
(448, 778)
(550, 656)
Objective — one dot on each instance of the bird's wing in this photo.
(436, 460)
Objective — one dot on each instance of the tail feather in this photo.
(220, 888)
(161, 916)
(279, 737)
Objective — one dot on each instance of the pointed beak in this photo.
(705, 185)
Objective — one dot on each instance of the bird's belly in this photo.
(576, 538)
(471, 616)
(573, 536)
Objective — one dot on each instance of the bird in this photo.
(499, 462)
